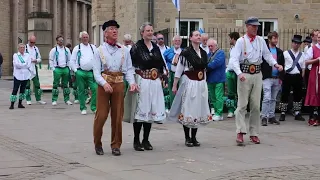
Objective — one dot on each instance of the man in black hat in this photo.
(294, 61)
(246, 59)
(111, 65)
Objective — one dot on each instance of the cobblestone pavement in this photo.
(55, 143)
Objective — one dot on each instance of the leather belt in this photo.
(112, 77)
(250, 68)
(149, 73)
(197, 75)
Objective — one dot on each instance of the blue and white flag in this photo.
(176, 4)
(201, 31)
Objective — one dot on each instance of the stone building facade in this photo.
(207, 14)
(43, 18)
(217, 17)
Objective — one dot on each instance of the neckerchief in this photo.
(252, 38)
(113, 43)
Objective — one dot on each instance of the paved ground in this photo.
(45, 142)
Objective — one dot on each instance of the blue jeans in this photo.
(271, 87)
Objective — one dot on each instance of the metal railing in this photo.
(222, 36)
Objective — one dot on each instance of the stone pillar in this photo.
(44, 6)
(15, 21)
(84, 17)
(65, 19)
(55, 20)
(30, 6)
(75, 31)
(90, 26)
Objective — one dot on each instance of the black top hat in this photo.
(253, 21)
(297, 38)
(308, 39)
(110, 23)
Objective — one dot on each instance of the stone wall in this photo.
(5, 29)
(224, 13)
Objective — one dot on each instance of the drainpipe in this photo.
(151, 11)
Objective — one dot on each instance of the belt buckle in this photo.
(154, 73)
(252, 69)
(200, 75)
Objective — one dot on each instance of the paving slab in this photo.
(46, 142)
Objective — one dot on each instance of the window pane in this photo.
(184, 43)
(268, 27)
(260, 29)
(194, 25)
(184, 28)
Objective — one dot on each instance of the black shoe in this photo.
(99, 151)
(147, 146)
(282, 117)
(264, 122)
(12, 105)
(116, 152)
(21, 106)
(298, 117)
(274, 121)
(195, 142)
(137, 146)
(188, 143)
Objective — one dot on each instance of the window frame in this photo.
(275, 26)
(199, 20)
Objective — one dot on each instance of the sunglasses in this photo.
(32, 42)
(160, 39)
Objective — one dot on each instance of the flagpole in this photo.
(179, 24)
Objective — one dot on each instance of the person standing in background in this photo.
(72, 79)
(34, 52)
(1, 61)
(204, 39)
(232, 79)
(216, 78)
(271, 82)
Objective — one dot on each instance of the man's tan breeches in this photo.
(105, 101)
(249, 90)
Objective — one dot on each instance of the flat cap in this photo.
(252, 21)
(110, 23)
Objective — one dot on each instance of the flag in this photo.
(201, 31)
(176, 4)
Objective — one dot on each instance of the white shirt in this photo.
(255, 50)
(229, 66)
(309, 54)
(129, 47)
(113, 60)
(288, 62)
(33, 55)
(163, 48)
(21, 67)
(205, 48)
(64, 57)
(176, 51)
(86, 57)
(305, 52)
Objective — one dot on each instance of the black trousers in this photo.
(295, 82)
(19, 84)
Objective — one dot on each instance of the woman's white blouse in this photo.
(21, 66)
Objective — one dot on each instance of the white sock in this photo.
(296, 113)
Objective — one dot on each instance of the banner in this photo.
(45, 77)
